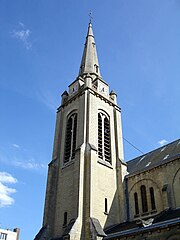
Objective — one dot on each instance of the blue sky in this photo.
(41, 44)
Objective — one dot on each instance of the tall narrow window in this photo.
(104, 141)
(70, 142)
(3, 236)
(105, 206)
(96, 68)
(136, 205)
(100, 137)
(153, 205)
(144, 199)
(107, 147)
(65, 219)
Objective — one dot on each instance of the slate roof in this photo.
(97, 227)
(69, 227)
(166, 217)
(154, 158)
(41, 234)
(58, 238)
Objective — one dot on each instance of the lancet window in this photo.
(136, 203)
(70, 141)
(147, 201)
(104, 141)
(153, 205)
(144, 199)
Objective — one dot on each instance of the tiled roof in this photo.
(154, 158)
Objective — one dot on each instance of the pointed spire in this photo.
(89, 63)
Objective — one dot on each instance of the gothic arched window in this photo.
(136, 203)
(153, 205)
(70, 141)
(104, 141)
(144, 199)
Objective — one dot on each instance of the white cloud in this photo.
(30, 164)
(46, 97)
(6, 191)
(21, 24)
(21, 159)
(162, 142)
(7, 178)
(15, 145)
(22, 33)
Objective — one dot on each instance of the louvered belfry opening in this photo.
(100, 142)
(107, 147)
(70, 142)
(104, 141)
(74, 136)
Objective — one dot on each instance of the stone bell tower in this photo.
(84, 188)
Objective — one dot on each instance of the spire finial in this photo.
(90, 17)
(89, 63)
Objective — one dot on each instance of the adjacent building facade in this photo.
(6, 234)
(91, 192)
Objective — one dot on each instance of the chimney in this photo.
(17, 230)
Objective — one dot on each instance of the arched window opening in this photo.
(144, 199)
(65, 219)
(107, 147)
(104, 141)
(106, 206)
(136, 205)
(70, 142)
(74, 136)
(96, 68)
(153, 204)
(100, 142)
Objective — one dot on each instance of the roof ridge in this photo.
(154, 150)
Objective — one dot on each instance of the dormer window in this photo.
(81, 68)
(96, 68)
(70, 142)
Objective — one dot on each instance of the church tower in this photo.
(85, 178)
